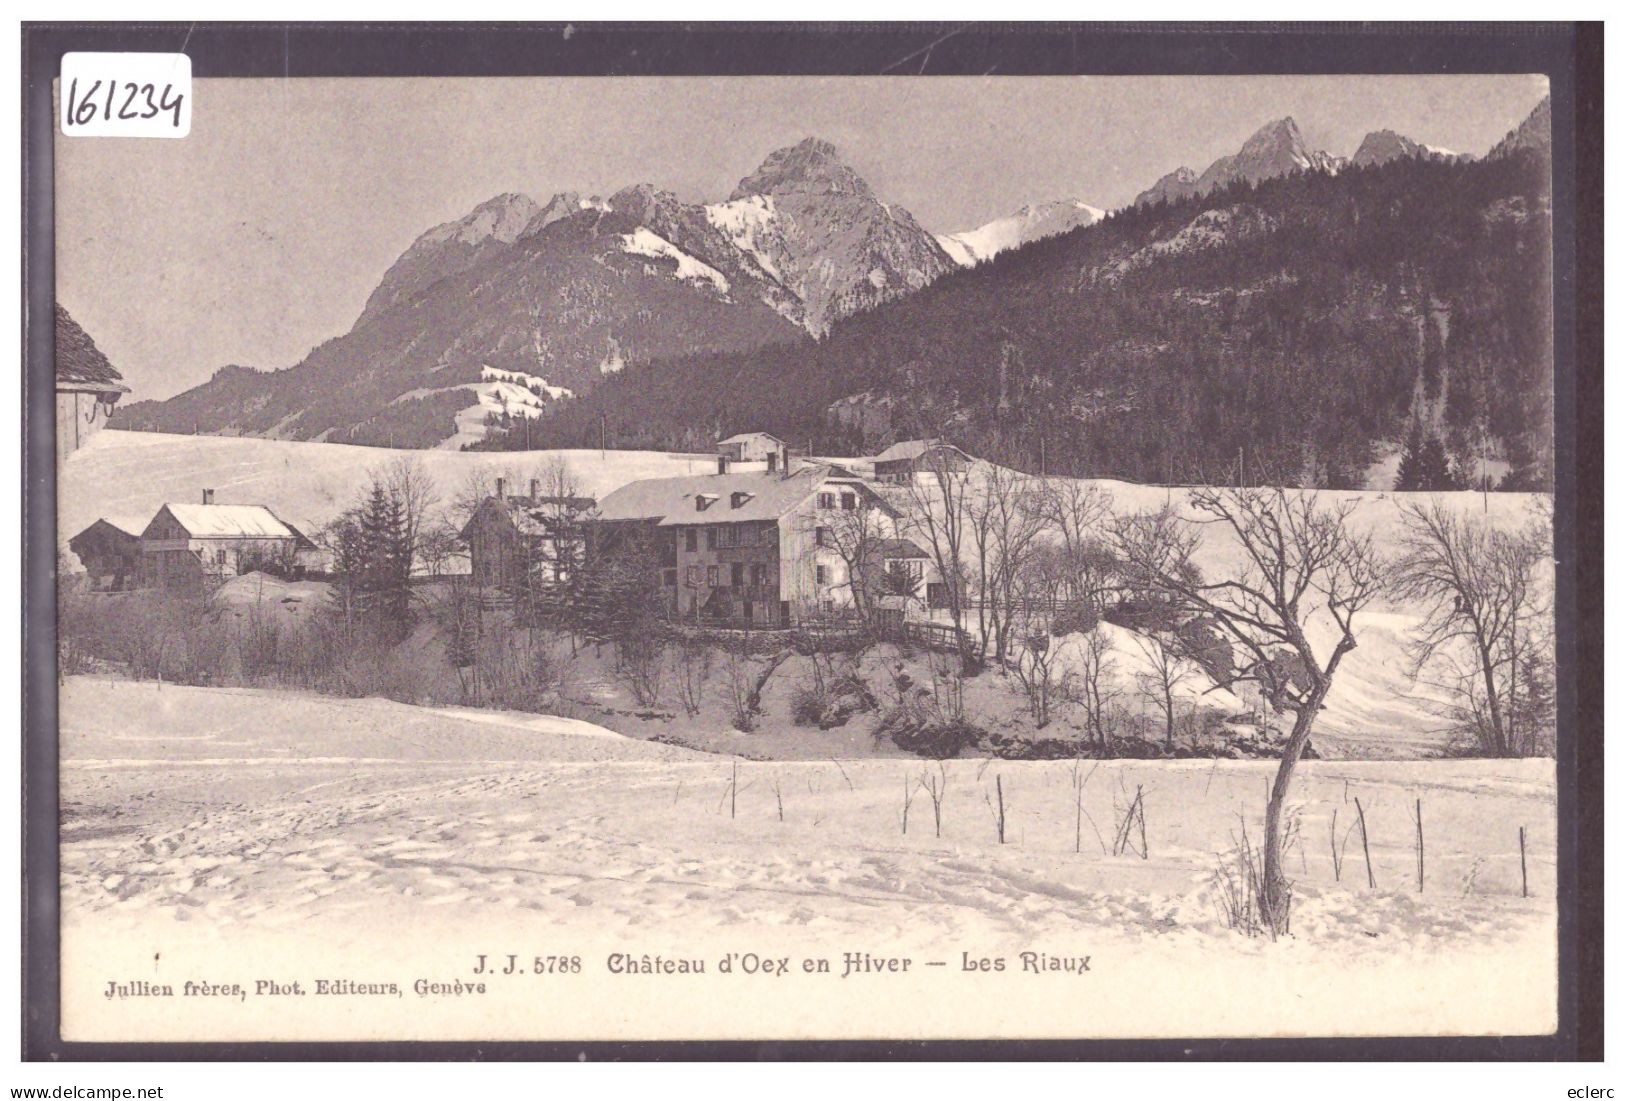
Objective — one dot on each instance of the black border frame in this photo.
(1569, 54)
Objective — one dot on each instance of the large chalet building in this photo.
(766, 546)
(185, 544)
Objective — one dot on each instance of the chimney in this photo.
(722, 464)
(535, 488)
(500, 486)
(208, 496)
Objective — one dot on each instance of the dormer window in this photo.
(703, 501)
(740, 497)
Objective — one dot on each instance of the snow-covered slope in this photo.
(1030, 223)
(307, 484)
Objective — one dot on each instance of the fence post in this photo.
(1365, 844)
(1420, 848)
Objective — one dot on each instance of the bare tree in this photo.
(1077, 512)
(1167, 670)
(1006, 516)
(691, 668)
(937, 514)
(1298, 561)
(1035, 669)
(1094, 683)
(1487, 616)
(407, 482)
(855, 535)
(439, 544)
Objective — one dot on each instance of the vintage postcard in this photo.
(790, 557)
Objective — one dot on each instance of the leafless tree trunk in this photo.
(1166, 672)
(1299, 562)
(936, 786)
(1096, 668)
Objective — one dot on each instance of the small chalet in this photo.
(901, 461)
(110, 551)
(87, 386)
(187, 544)
(758, 548)
(512, 538)
(752, 451)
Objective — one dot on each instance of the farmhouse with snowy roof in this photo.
(761, 548)
(901, 461)
(512, 539)
(185, 544)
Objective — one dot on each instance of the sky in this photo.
(262, 233)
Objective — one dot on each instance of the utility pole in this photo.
(602, 437)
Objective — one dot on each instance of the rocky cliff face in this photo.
(1274, 150)
(813, 223)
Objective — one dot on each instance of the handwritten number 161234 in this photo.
(126, 100)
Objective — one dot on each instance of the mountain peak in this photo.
(1275, 149)
(811, 165)
(502, 217)
(1382, 146)
(639, 199)
(1176, 185)
(1281, 137)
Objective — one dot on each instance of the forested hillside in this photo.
(1296, 329)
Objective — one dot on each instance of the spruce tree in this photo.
(1424, 464)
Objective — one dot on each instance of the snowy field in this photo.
(193, 815)
(132, 473)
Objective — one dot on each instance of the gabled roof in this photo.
(913, 449)
(129, 526)
(80, 365)
(746, 437)
(899, 548)
(229, 522)
(670, 501)
(532, 515)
